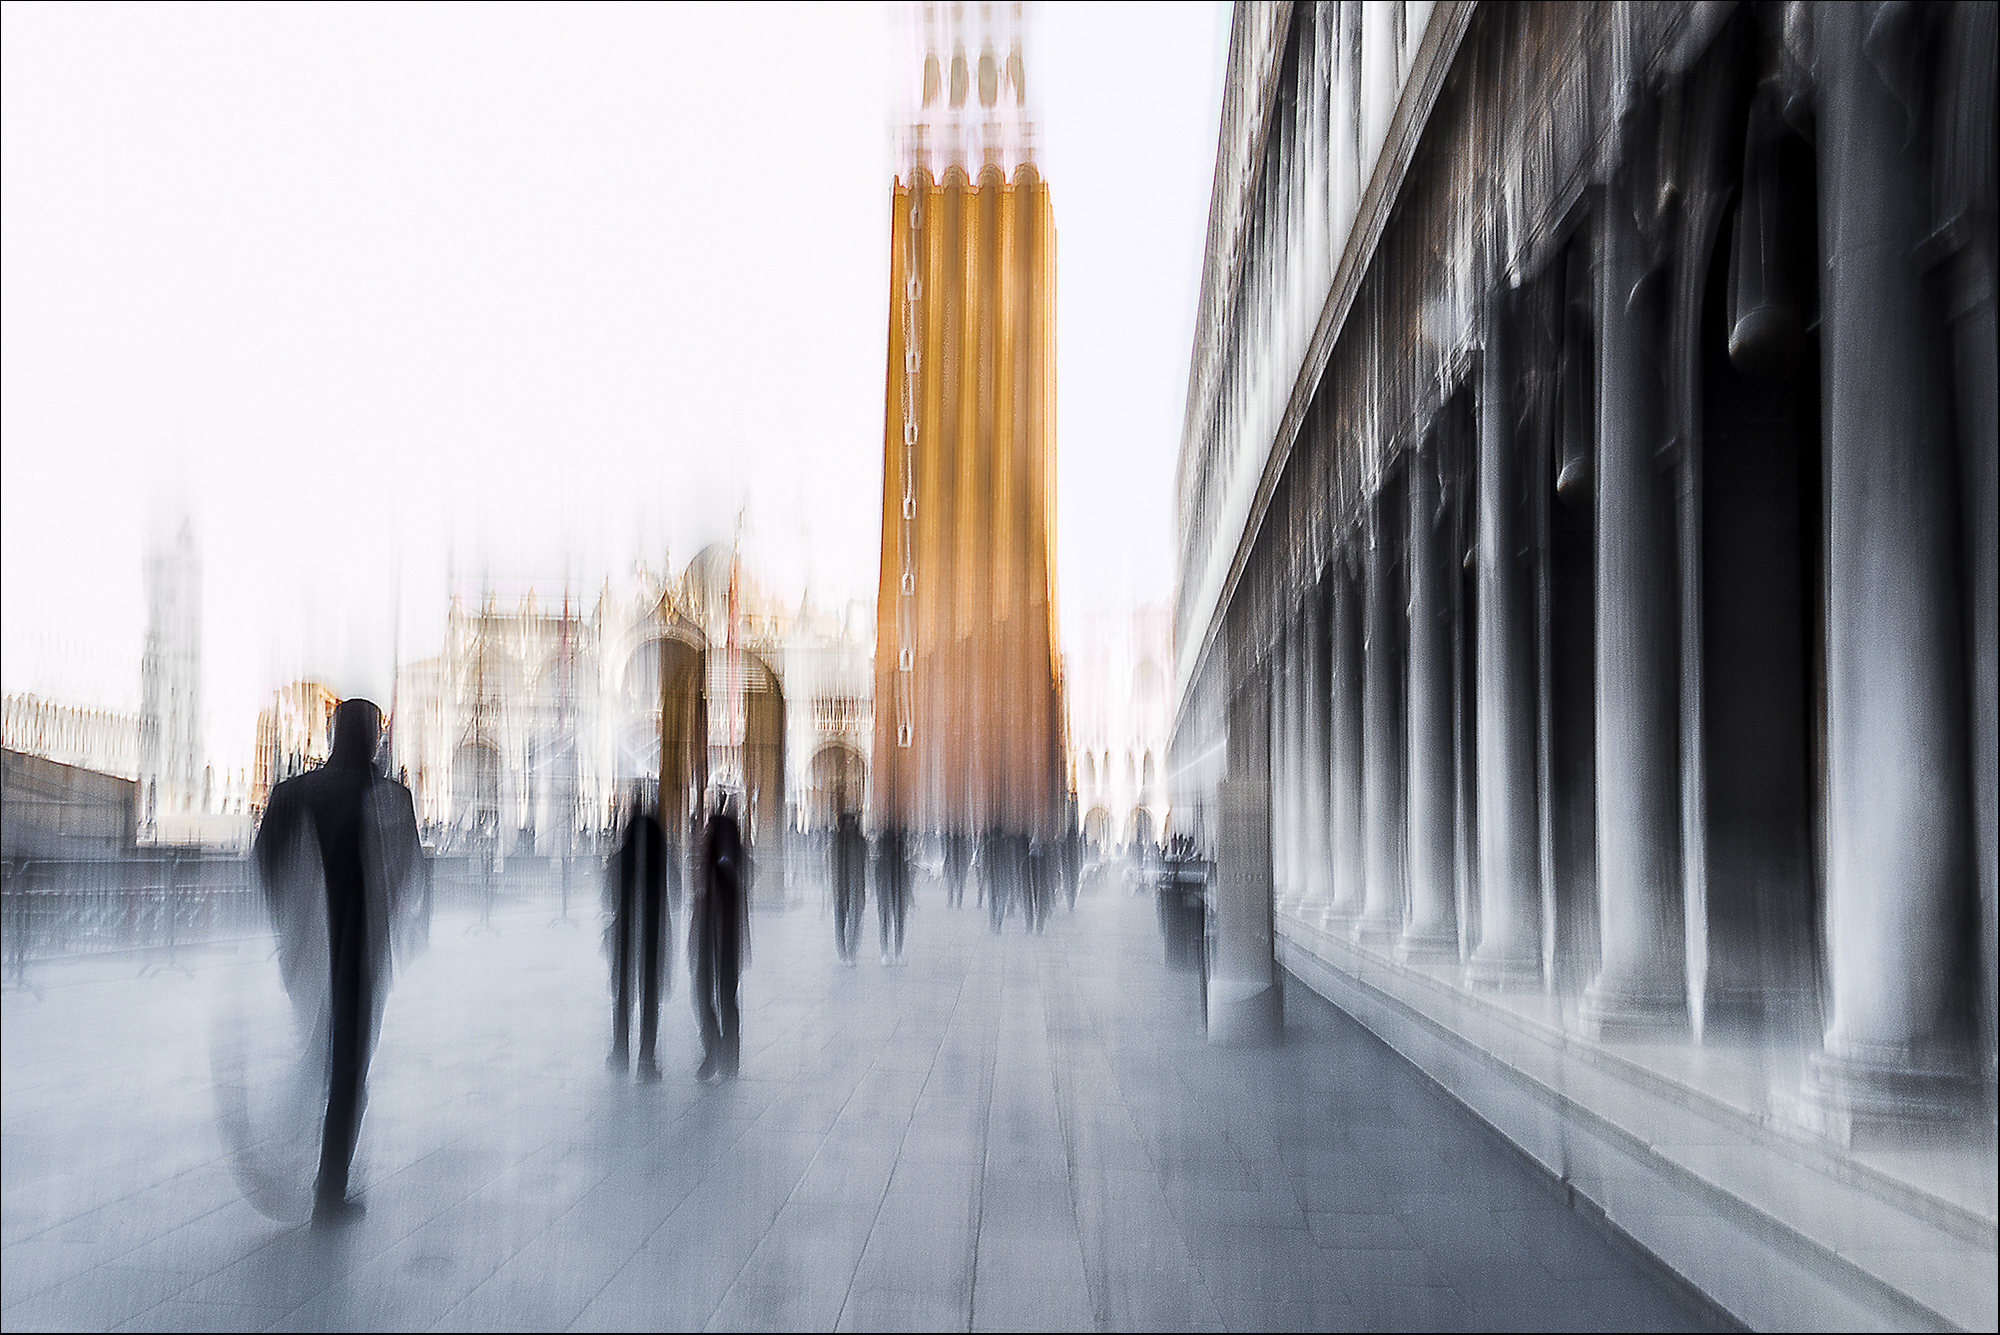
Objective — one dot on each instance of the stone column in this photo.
(1318, 882)
(1642, 983)
(1381, 736)
(1509, 951)
(1281, 789)
(1897, 812)
(1302, 755)
(1433, 928)
(1295, 764)
(1963, 147)
(1344, 827)
(1245, 1004)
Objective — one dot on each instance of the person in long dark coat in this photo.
(1072, 853)
(996, 866)
(1040, 885)
(343, 873)
(892, 889)
(957, 866)
(850, 879)
(719, 936)
(641, 924)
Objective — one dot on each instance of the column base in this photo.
(1244, 1014)
(1375, 932)
(1617, 1014)
(1504, 971)
(1335, 917)
(1427, 945)
(1866, 1097)
(1776, 1011)
(1324, 916)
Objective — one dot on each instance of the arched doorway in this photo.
(1139, 836)
(761, 761)
(1097, 831)
(475, 791)
(679, 666)
(837, 782)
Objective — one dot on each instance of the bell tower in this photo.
(968, 689)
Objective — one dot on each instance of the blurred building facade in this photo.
(827, 664)
(527, 734)
(968, 729)
(52, 810)
(1119, 679)
(170, 722)
(1585, 627)
(105, 740)
(294, 733)
(498, 736)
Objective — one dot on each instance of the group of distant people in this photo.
(849, 873)
(1009, 871)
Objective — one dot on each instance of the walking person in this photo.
(957, 866)
(641, 924)
(981, 867)
(993, 856)
(892, 889)
(1041, 884)
(719, 939)
(850, 880)
(343, 873)
(1072, 855)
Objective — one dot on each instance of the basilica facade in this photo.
(549, 707)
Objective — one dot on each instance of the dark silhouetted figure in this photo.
(892, 889)
(850, 879)
(338, 847)
(957, 866)
(993, 877)
(982, 868)
(641, 924)
(719, 936)
(1007, 881)
(1041, 885)
(1072, 854)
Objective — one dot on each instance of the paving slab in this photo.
(1007, 1131)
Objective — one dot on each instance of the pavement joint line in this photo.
(847, 1295)
(1082, 1026)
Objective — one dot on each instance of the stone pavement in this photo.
(1011, 1132)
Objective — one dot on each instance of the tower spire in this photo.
(965, 98)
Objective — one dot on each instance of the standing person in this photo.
(1041, 884)
(1072, 854)
(995, 857)
(641, 922)
(850, 877)
(343, 873)
(892, 888)
(719, 934)
(957, 866)
(982, 868)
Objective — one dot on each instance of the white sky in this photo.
(378, 294)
